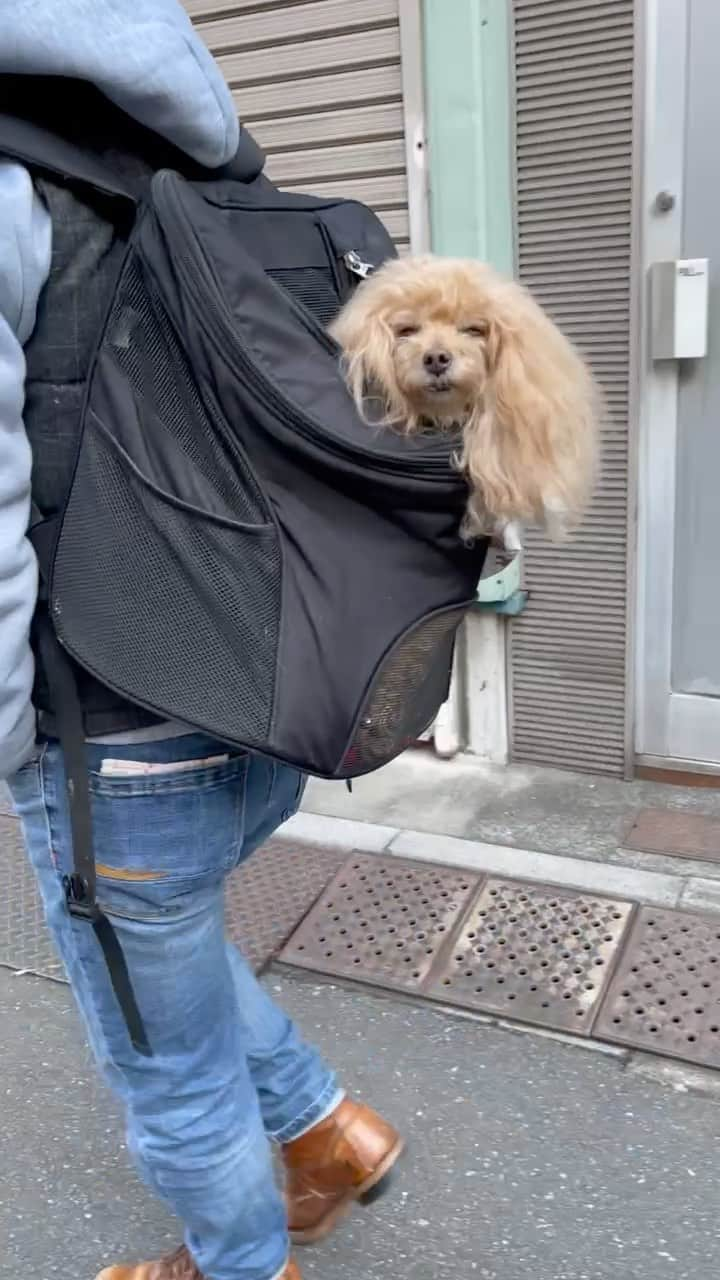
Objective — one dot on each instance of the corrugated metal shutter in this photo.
(574, 100)
(319, 85)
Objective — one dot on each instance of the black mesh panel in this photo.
(409, 688)
(144, 345)
(177, 612)
(314, 287)
(168, 605)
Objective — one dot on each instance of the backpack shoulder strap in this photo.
(68, 127)
(34, 145)
(81, 885)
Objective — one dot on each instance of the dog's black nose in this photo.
(437, 362)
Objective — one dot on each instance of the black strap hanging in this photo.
(81, 885)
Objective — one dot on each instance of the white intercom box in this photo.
(679, 308)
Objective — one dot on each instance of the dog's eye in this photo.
(476, 330)
(407, 330)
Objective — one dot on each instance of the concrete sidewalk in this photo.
(529, 1159)
(577, 815)
(529, 823)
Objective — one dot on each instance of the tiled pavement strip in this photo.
(567, 959)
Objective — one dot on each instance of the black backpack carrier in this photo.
(238, 550)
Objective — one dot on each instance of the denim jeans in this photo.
(229, 1073)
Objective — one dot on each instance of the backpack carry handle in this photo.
(31, 144)
(86, 126)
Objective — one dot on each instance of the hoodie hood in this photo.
(142, 54)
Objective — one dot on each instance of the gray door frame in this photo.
(671, 728)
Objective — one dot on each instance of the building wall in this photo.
(574, 69)
(468, 119)
(536, 98)
(320, 85)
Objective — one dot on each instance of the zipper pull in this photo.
(357, 265)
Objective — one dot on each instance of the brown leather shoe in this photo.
(345, 1158)
(179, 1266)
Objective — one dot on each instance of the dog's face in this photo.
(441, 356)
(424, 332)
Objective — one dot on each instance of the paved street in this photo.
(529, 1159)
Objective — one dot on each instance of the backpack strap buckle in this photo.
(80, 884)
(80, 901)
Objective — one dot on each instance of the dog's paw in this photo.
(557, 521)
(507, 536)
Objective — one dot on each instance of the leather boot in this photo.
(345, 1158)
(179, 1266)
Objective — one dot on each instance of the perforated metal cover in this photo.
(382, 921)
(6, 808)
(534, 953)
(24, 939)
(266, 899)
(665, 995)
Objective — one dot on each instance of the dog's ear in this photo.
(367, 345)
(493, 345)
(540, 420)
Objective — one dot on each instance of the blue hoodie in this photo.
(146, 57)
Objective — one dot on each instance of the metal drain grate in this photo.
(6, 805)
(665, 995)
(24, 939)
(533, 953)
(382, 921)
(268, 896)
(266, 899)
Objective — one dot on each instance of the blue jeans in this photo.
(229, 1071)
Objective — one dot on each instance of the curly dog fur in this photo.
(447, 344)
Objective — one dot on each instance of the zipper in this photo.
(211, 304)
(354, 270)
(351, 260)
(357, 266)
